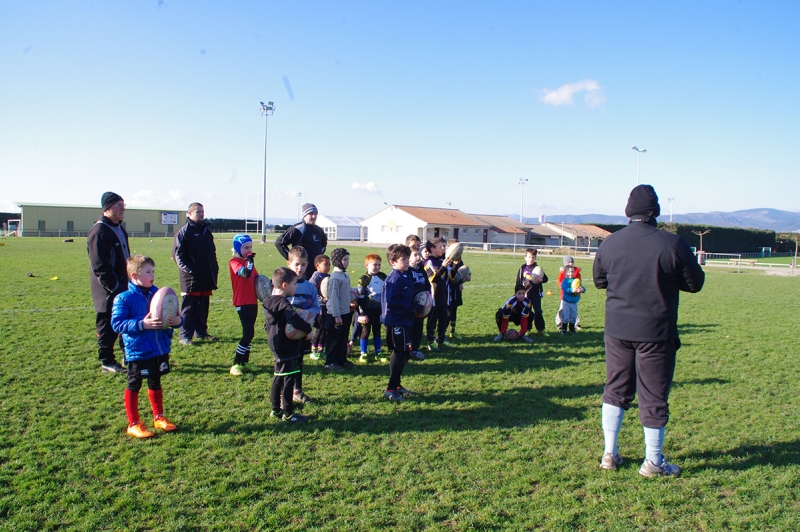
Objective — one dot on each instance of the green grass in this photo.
(502, 437)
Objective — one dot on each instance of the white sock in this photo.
(612, 423)
(653, 442)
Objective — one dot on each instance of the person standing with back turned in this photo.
(642, 270)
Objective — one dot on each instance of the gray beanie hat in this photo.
(568, 259)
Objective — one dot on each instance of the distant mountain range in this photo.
(772, 219)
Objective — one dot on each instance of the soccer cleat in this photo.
(499, 337)
(348, 365)
(334, 367)
(315, 356)
(164, 424)
(649, 469)
(278, 414)
(112, 367)
(138, 430)
(300, 397)
(247, 366)
(433, 346)
(416, 355)
(295, 418)
(446, 343)
(611, 461)
(237, 370)
(392, 395)
(186, 341)
(527, 339)
(363, 358)
(404, 392)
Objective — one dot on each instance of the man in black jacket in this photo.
(196, 256)
(307, 234)
(643, 270)
(107, 244)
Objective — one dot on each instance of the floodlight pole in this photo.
(267, 110)
(671, 201)
(521, 183)
(638, 161)
(298, 205)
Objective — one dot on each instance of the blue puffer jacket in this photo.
(127, 318)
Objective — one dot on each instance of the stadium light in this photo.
(267, 110)
(521, 183)
(638, 160)
(671, 201)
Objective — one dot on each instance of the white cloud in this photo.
(285, 193)
(148, 198)
(564, 94)
(369, 188)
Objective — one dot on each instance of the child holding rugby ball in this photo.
(243, 275)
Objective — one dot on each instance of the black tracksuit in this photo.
(196, 256)
(311, 237)
(533, 291)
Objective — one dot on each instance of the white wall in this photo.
(392, 226)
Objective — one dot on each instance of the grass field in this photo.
(501, 437)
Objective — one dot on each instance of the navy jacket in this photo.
(196, 256)
(397, 299)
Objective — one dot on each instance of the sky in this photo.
(437, 104)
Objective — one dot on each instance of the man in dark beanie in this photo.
(107, 244)
(642, 270)
(305, 233)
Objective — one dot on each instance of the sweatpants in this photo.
(437, 321)
(336, 339)
(194, 310)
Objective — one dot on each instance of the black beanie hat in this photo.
(108, 200)
(337, 256)
(643, 202)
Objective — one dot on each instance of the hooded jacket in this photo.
(196, 256)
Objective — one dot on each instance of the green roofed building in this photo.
(40, 219)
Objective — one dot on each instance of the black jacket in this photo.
(643, 270)
(311, 237)
(277, 313)
(109, 271)
(196, 256)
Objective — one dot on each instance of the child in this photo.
(567, 260)
(517, 310)
(533, 285)
(147, 344)
(243, 275)
(570, 295)
(339, 313)
(288, 353)
(370, 287)
(322, 265)
(436, 269)
(305, 297)
(456, 288)
(396, 302)
(417, 271)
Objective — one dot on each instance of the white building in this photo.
(394, 223)
(340, 227)
(578, 235)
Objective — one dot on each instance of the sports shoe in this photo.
(404, 392)
(564, 332)
(247, 366)
(334, 367)
(206, 338)
(416, 355)
(363, 358)
(433, 346)
(300, 397)
(112, 367)
(315, 356)
(348, 365)
(278, 414)
(446, 343)
(527, 338)
(185, 341)
(649, 469)
(138, 430)
(237, 370)
(295, 418)
(392, 395)
(611, 461)
(498, 337)
(578, 327)
(164, 424)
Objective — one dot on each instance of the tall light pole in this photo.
(298, 205)
(671, 201)
(267, 110)
(521, 183)
(638, 160)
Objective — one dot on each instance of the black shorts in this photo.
(398, 339)
(288, 367)
(152, 367)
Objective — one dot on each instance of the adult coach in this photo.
(107, 244)
(307, 234)
(642, 270)
(196, 256)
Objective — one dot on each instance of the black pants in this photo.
(398, 340)
(374, 324)
(536, 304)
(643, 367)
(437, 321)
(106, 337)
(283, 385)
(318, 340)
(194, 310)
(247, 315)
(336, 339)
(416, 333)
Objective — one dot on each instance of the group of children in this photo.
(379, 301)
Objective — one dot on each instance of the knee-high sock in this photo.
(612, 423)
(156, 402)
(653, 442)
(364, 343)
(131, 399)
(376, 342)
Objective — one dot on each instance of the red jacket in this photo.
(244, 288)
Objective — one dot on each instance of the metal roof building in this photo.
(41, 219)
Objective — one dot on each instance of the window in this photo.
(383, 229)
(70, 225)
(399, 229)
(476, 231)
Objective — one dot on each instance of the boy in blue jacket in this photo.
(397, 299)
(147, 344)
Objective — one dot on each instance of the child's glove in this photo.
(250, 260)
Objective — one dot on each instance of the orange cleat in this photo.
(138, 430)
(164, 424)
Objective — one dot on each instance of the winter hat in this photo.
(108, 200)
(337, 256)
(239, 241)
(643, 202)
(308, 208)
(568, 259)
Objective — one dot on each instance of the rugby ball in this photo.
(538, 272)
(323, 287)
(353, 295)
(423, 302)
(164, 305)
(297, 334)
(576, 285)
(263, 287)
(463, 275)
(454, 251)
(512, 334)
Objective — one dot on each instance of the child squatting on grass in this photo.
(396, 302)
(516, 310)
(305, 297)
(243, 275)
(147, 344)
(287, 353)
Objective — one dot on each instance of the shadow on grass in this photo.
(711, 380)
(780, 454)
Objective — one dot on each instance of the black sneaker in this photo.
(416, 355)
(334, 367)
(348, 365)
(392, 395)
(277, 414)
(112, 366)
(404, 392)
(433, 346)
(295, 418)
